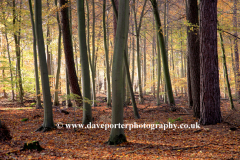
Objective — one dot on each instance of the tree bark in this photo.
(48, 115)
(209, 76)
(38, 97)
(193, 54)
(164, 54)
(106, 57)
(235, 44)
(137, 30)
(17, 37)
(56, 101)
(225, 72)
(87, 110)
(68, 49)
(117, 134)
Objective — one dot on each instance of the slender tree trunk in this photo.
(56, 101)
(88, 35)
(135, 110)
(235, 44)
(3, 71)
(17, 37)
(145, 62)
(48, 115)
(9, 58)
(87, 110)
(133, 56)
(117, 133)
(68, 100)
(93, 55)
(153, 60)
(38, 97)
(68, 49)
(166, 42)
(48, 43)
(209, 77)
(158, 71)
(193, 54)
(226, 73)
(164, 54)
(233, 63)
(182, 56)
(137, 30)
(106, 57)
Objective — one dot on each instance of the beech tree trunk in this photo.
(56, 101)
(225, 72)
(17, 38)
(117, 134)
(193, 54)
(106, 57)
(87, 110)
(48, 115)
(163, 53)
(38, 97)
(68, 49)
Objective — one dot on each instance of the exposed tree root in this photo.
(117, 140)
(44, 129)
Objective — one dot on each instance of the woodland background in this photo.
(20, 94)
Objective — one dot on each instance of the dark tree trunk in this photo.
(210, 112)
(193, 54)
(235, 44)
(68, 49)
(190, 100)
(114, 17)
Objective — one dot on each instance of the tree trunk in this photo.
(38, 97)
(193, 54)
(153, 64)
(137, 30)
(93, 55)
(48, 43)
(87, 110)
(225, 72)
(68, 100)
(135, 110)
(106, 57)
(48, 115)
(209, 76)
(17, 31)
(56, 101)
(133, 55)
(158, 70)
(235, 44)
(68, 49)
(117, 133)
(8, 53)
(145, 63)
(164, 54)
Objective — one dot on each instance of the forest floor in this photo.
(207, 142)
